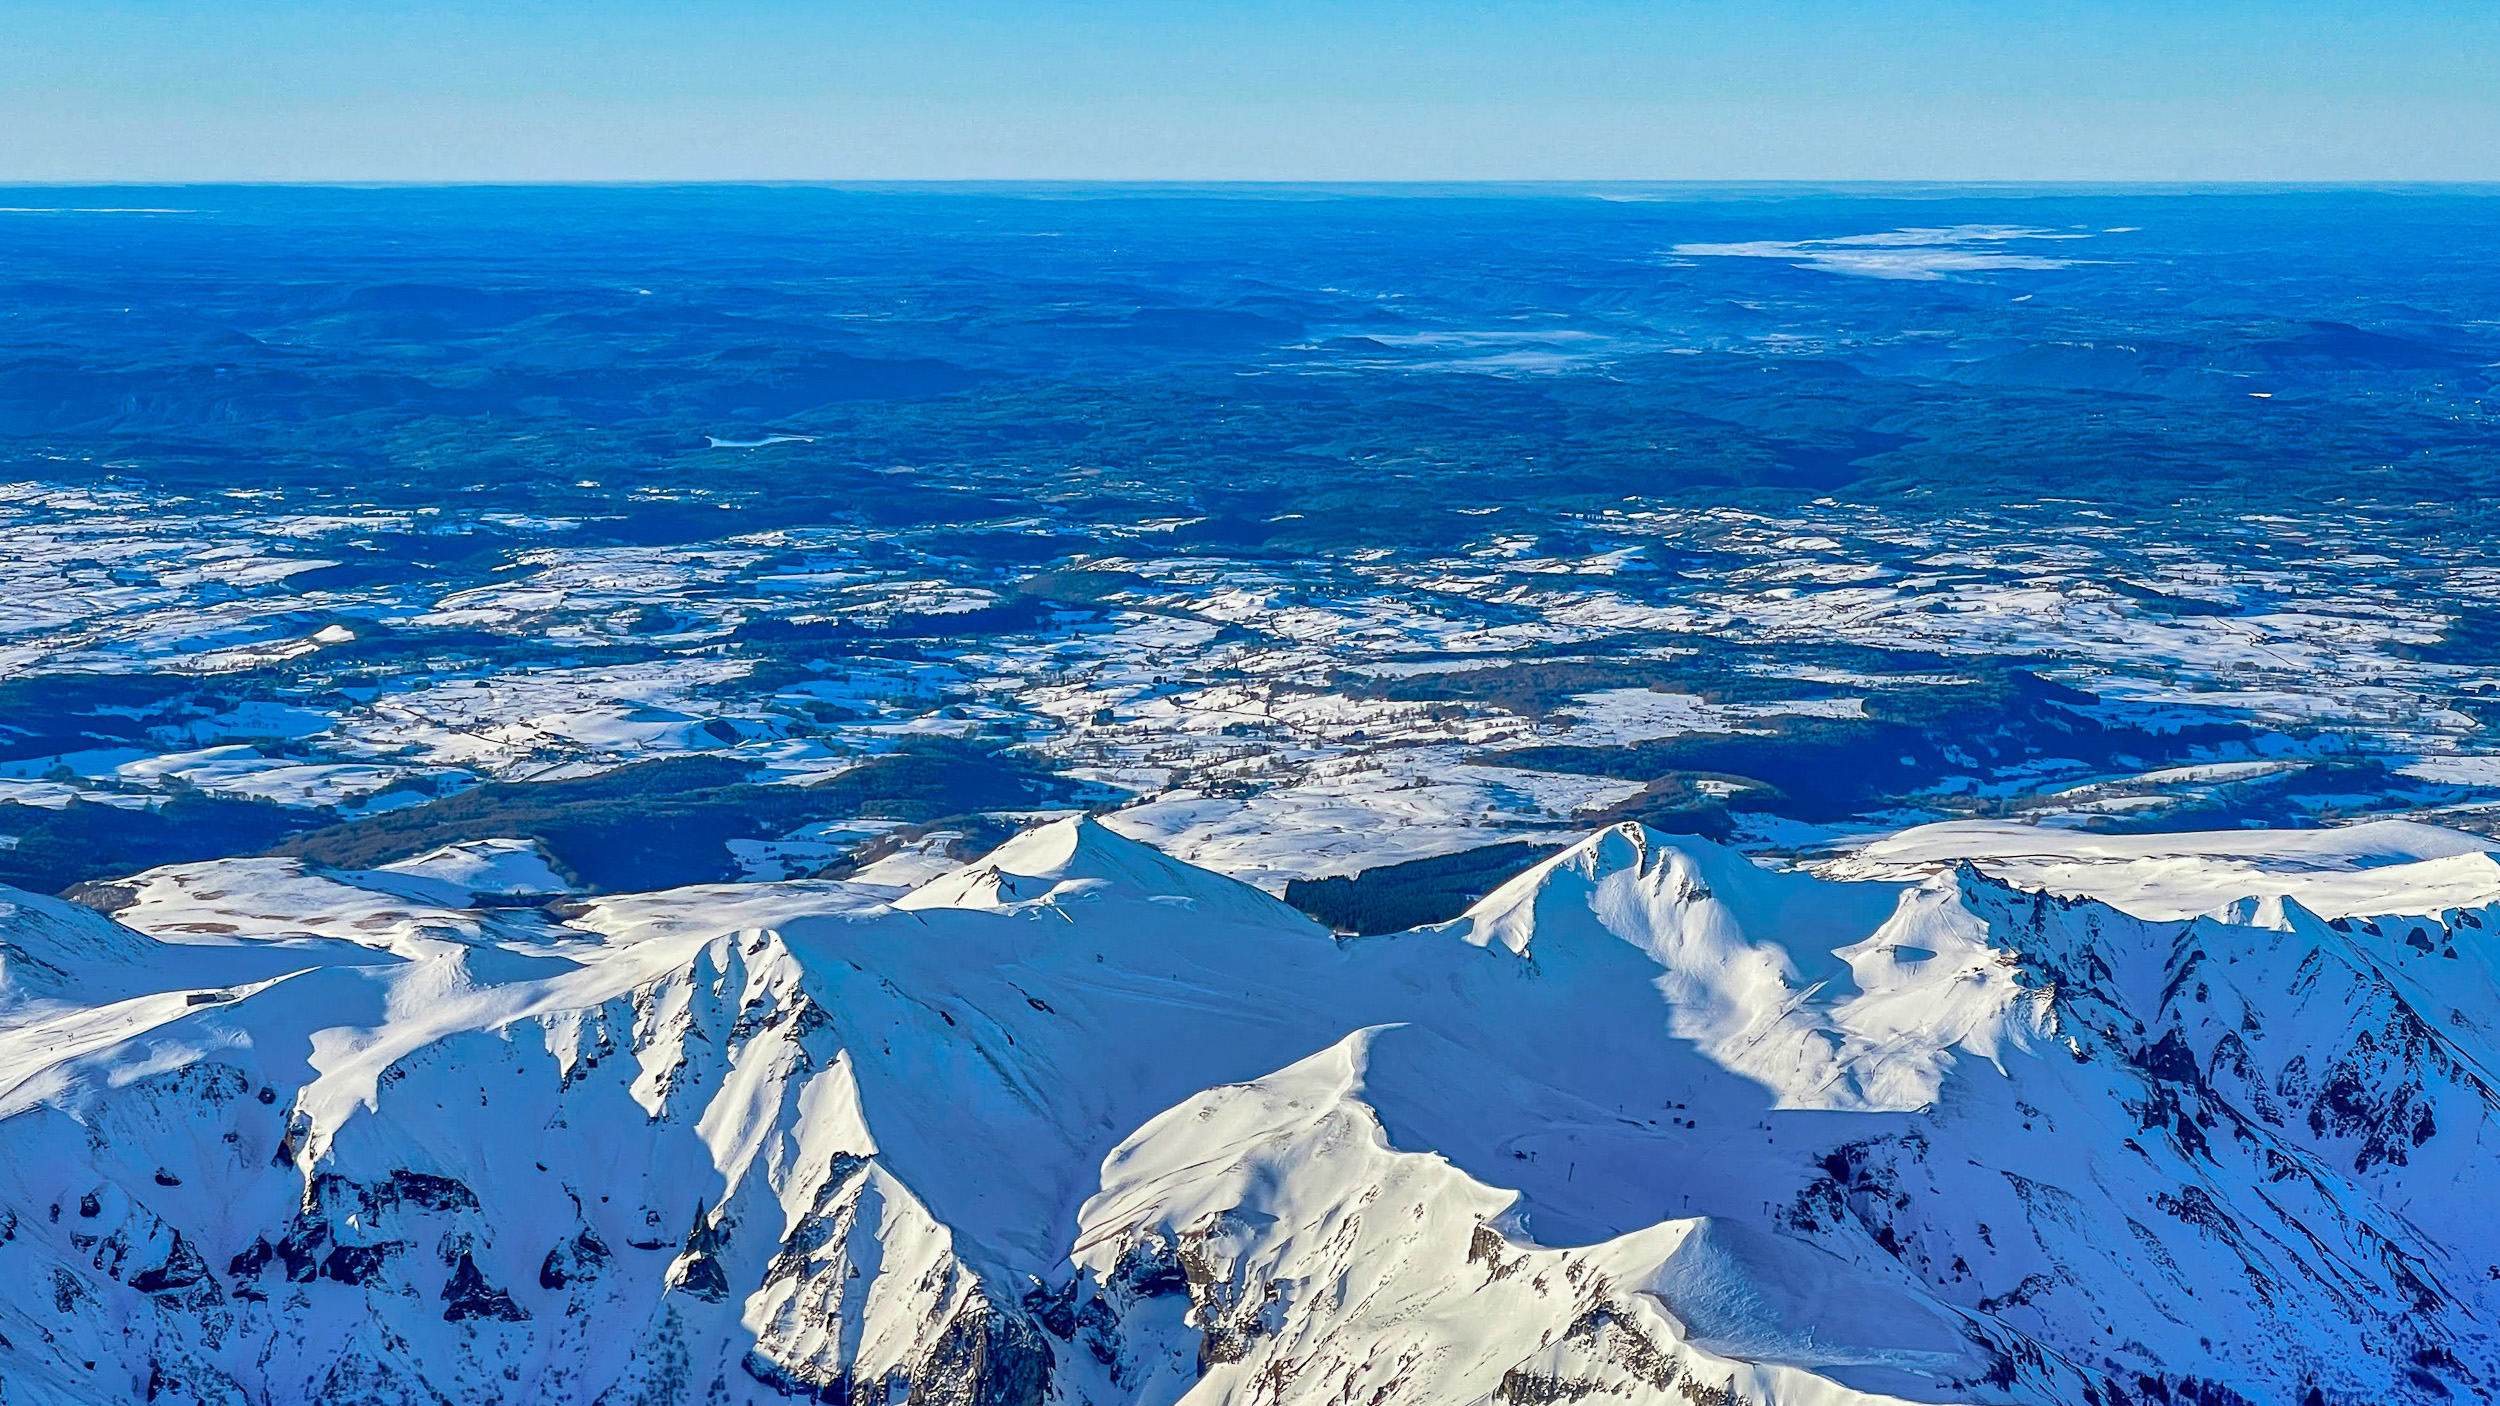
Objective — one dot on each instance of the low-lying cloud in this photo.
(1919, 253)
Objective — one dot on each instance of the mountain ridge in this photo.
(1080, 1123)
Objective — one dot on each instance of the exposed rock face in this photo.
(1079, 1124)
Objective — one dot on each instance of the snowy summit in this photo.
(1079, 1124)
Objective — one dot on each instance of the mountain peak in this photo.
(1080, 860)
(1796, 1138)
(1638, 883)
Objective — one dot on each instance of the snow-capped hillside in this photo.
(1080, 1123)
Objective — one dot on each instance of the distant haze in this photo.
(2299, 90)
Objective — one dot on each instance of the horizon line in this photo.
(1402, 183)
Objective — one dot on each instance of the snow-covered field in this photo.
(1276, 722)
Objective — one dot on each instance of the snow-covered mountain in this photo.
(1080, 1123)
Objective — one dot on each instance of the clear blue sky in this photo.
(1249, 89)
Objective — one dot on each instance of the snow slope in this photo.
(1081, 1123)
(2376, 866)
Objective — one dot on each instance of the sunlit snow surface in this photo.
(1230, 710)
(1079, 1122)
